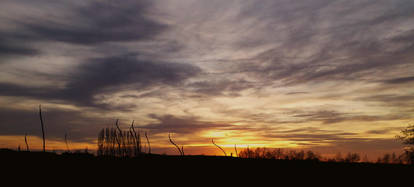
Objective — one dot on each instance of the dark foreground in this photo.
(180, 167)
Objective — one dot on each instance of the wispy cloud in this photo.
(401, 80)
(301, 71)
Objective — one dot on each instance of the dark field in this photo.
(190, 164)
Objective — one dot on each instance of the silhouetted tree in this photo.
(407, 138)
(264, 153)
(278, 153)
(352, 157)
(338, 157)
(296, 155)
(386, 158)
(310, 155)
(394, 159)
(365, 159)
(246, 153)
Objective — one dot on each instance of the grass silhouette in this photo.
(115, 142)
(43, 128)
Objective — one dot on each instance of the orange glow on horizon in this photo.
(35, 144)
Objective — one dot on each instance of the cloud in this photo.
(326, 117)
(14, 48)
(296, 93)
(107, 75)
(181, 125)
(400, 80)
(105, 28)
(110, 74)
(323, 40)
(317, 138)
(219, 87)
(332, 117)
(277, 64)
(403, 102)
(384, 130)
(88, 23)
(372, 145)
(313, 134)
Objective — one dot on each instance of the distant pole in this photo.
(43, 128)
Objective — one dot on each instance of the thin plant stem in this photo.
(43, 128)
(225, 154)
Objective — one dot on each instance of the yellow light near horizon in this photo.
(230, 139)
(35, 143)
(215, 134)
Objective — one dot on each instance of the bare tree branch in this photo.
(172, 142)
(212, 140)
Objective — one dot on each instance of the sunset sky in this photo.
(323, 75)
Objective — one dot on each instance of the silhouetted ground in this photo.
(180, 167)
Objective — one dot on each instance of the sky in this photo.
(330, 76)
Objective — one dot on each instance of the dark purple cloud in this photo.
(107, 75)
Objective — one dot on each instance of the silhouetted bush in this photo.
(407, 138)
(279, 154)
(352, 157)
(114, 142)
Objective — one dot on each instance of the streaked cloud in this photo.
(301, 73)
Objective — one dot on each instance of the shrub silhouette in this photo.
(407, 138)
(352, 157)
(119, 143)
(279, 154)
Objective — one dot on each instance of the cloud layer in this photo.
(307, 73)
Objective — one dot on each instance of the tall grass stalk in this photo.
(25, 141)
(119, 143)
(149, 145)
(181, 150)
(66, 142)
(43, 128)
(225, 154)
(235, 149)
